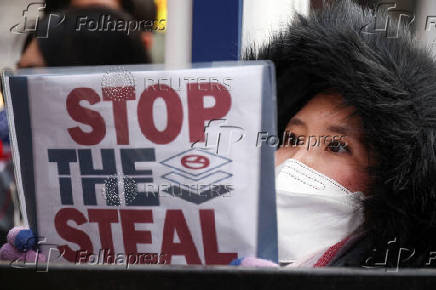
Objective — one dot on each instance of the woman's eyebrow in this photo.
(344, 131)
(296, 122)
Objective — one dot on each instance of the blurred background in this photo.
(260, 19)
(11, 12)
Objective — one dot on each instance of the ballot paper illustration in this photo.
(117, 164)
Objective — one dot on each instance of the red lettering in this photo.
(175, 222)
(71, 234)
(174, 114)
(119, 96)
(85, 116)
(104, 218)
(211, 254)
(131, 236)
(198, 114)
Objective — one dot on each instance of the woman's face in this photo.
(330, 141)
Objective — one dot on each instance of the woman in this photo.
(335, 72)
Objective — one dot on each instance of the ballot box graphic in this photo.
(124, 163)
(196, 175)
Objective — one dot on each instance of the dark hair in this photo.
(127, 5)
(67, 45)
(391, 83)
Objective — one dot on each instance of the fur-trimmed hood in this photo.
(392, 84)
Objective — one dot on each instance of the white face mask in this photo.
(313, 211)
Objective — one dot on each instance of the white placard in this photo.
(144, 166)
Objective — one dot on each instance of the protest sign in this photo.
(137, 164)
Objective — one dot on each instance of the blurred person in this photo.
(139, 9)
(87, 36)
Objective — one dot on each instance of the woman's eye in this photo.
(337, 146)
